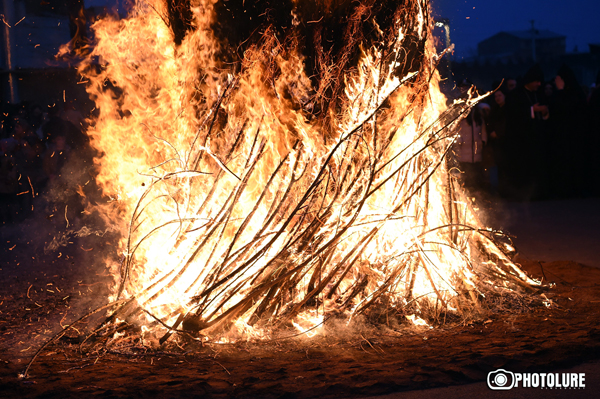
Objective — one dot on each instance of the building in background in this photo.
(510, 54)
(526, 46)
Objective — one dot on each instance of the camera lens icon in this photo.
(500, 380)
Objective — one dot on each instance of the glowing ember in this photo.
(253, 194)
(417, 321)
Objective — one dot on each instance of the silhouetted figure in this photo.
(510, 84)
(569, 137)
(469, 149)
(496, 141)
(525, 139)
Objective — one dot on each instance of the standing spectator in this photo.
(511, 84)
(490, 175)
(569, 138)
(525, 145)
(469, 148)
(496, 141)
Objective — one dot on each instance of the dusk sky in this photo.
(474, 20)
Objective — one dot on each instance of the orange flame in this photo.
(237, 207)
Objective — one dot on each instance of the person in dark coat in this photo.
(569, 137)
(497, 139)
(469, 147)
(525, 141)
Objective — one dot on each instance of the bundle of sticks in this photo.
(334, 196)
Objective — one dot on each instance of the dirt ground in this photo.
(42, 291)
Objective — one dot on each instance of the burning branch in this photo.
(301, 196)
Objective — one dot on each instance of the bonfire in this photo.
(273, 167)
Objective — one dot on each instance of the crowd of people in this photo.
(533, 139)
(35, 144)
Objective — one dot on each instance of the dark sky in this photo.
(474, 20)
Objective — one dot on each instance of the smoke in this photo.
(63, 233)
(65, 238)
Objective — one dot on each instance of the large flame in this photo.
(243, 206)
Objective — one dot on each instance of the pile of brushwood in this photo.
(315, 203)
